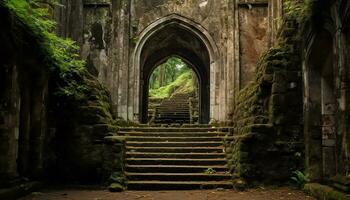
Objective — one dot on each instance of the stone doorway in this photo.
(176, 35)
(173, 93)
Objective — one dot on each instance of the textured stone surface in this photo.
(111, 33)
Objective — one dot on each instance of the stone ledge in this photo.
(245, 3)
(19, 190)
(325, 192)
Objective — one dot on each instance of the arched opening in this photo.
(320, 108)
(173, 93)
(175, 35)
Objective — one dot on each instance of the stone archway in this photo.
(176, 35)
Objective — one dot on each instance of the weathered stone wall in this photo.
(268, 144)
(53, 121)
(111, 31)
(326, 93)
(23, 103)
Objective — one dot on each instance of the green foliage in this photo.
(167, 72)
(58, 52)
(183, 84)
(210, 171)
(297, 9)
(173, 76)
(300, 178)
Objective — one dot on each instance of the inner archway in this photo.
(173, 93)
(175, 35)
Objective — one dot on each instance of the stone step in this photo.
(172, 113)
(173, 139)
(175, 161)
(175, 168)
(171, 121)
(173, 144)
(174, 155)
(173, 116)
(178, 185)
(179, 126)
(175, 149)
(173, 108)
(172, 134)
(177, 176)
(175, 129)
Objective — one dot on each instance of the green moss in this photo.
(297, 9)
(116, 187)
(325, 192)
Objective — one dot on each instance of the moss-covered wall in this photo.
(268, 115)
(54, 115)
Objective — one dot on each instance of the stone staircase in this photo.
(175, 158)
(174, 110)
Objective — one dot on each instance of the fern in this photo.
(300, 178)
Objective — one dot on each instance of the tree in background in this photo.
(167, 72)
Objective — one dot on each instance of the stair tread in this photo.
(139, 153)
(131, 147)
(182, 182)
(159, 142)
(180, 166)
(187, 159)
(177, 174)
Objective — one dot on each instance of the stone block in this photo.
(325, 192)
(279, 77)
(278, 88)
(328, 161)
(277, 100)
(104, 129)
(328, 120)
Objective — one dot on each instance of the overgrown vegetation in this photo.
(297, 9)
(300, 178)
(57, 51)
(210, 171)
(60, 54)
(172, 77)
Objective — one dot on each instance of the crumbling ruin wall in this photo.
(268, 139)
(54, 114)
(109, 31)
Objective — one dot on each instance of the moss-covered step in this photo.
(174, 139)
(325, 192)
(133, 176)
(174, 129)
(173, 144)
(171, 134)
(175, 168)
(175, 161)
(176, 149)
(178, 185)
(174, 155)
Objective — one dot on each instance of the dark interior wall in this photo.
(326, 96)
(319, 63)
(23, 102)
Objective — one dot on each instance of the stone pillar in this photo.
(9, 122)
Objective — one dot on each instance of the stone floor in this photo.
(254, 194)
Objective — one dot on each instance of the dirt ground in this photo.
(254, 194)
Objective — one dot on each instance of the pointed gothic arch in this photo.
(180, 36)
